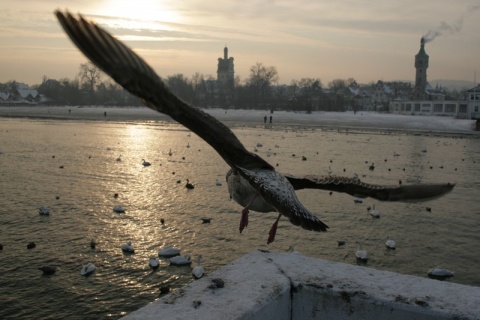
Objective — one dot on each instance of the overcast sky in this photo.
(367, 40)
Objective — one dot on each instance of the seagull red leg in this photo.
(273, 230)
(244, 218)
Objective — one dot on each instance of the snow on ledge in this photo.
(280, 286)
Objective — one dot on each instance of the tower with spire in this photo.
(225, 70)
(225, 79)
(421, 65)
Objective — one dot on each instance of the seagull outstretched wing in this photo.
(356, 187)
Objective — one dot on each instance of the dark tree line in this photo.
(259, 91)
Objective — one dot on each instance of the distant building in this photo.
(225, 80)
(220, 91)
(423, 90)
(421, 66)
(21, 94)
(462, 109)
(428, 100)
(225, 69)
(473, 99)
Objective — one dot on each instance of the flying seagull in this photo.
(252, 182)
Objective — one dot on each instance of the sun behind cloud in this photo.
(140, 14)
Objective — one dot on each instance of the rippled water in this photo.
(30, 176)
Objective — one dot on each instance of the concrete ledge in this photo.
(291, 286)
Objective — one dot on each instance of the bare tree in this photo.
(90, 75)
(261, 78)
(197, 83)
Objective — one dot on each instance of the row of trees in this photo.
(259, 90)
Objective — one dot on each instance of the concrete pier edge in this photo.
(263, 285)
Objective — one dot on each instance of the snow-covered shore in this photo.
(343, 120)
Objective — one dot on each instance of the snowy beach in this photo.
(232, 117)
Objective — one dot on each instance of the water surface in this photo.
(33, 152)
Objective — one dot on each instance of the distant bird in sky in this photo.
(252, 182)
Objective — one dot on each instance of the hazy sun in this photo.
(135, 14)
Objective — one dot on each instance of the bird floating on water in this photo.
(440, 273)
(361, 254)
(206, 220)
(169, 252)
(188, 185)
(180, 260)
(154, 263)
(88, 269)
(252, 182)
(128, 247)
(375, 213)
(93, 244)
(44, 211)
(119, 209)
(198, 271)
(48, 270)
(145, 163)
(390, 244)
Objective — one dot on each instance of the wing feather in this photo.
(358, 188)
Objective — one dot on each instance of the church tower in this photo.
(421, 65)
(225, 70)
